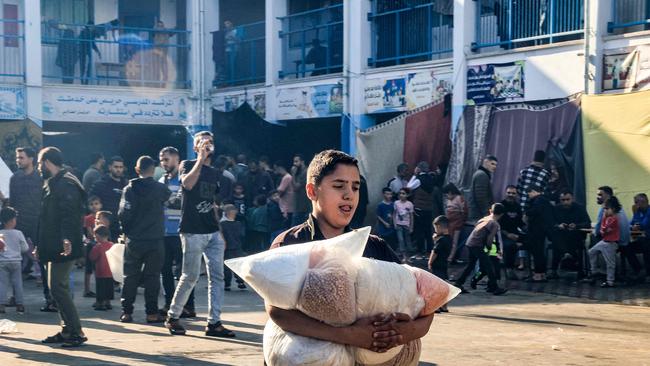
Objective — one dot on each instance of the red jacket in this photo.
(98, 255)
(609, 229)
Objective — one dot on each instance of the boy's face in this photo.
(95, 206)
(275, 197)
(231, 215)
(440, 229)
(403, 195)
(102, 220)
(239, 190)
(11, 224)
(336, 198)
(388, 196)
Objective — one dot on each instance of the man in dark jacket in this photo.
(511, 224)
(59, 243)
(109, 187)
(142, 218)
(539, 220)
(481, 190)
(423, 184)
(568, 239)
(257, 182)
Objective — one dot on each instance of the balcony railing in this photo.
(405, 34)
(240, 54)
(629, 16)
(519, 23)
(312, 42)
(120, 56)
(12, 51)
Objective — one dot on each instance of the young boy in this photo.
(257, 226)
(333, 182)
(385, 209)
(482, 236)
(403, 221)
(94, 206)
(607, 247)
(232, 234)
(12, 245)
(275, 218)
(103, 274)
(441, 250)
(495, 260)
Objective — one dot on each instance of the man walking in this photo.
(481, 190)
(141, 215)
(200, 236)
(59, 243)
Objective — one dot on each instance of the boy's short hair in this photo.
(229, 208)
(94, 198)
(260, 200)
(7, 214)
(386, 189)
(613, 203)
(325, 162)
(441, 220)
(102, 231)
(106, 214)
(498, 209)
(145, 163)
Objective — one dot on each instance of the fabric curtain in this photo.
(427, 137)
(616, 140)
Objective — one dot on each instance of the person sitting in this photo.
(317, 55)
(567, 237)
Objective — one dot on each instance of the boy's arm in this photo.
(407, 329)
(432, 258)
(360, 334)
(24, 247)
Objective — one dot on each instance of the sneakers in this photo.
(49, 308)
(218, 330)
(126, 318)
(74, 341)
(155, 318)
(174, 326)
(472, 283)
(57, 338)
(241, 286)
(188, 313)
(607, 284)
(20, 308)
(499, 291)
(90, 294)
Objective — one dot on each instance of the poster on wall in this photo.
(627, 69)
(310, 102)
(89, 106)
(229, 102)
(12, 102)
(405, 92)
(495, 83)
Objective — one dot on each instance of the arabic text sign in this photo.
(123, 108)
(12, 102)
(310, 102)
(405, 92)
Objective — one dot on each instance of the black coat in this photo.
(540, 216)
(142, 209)
(62, 212)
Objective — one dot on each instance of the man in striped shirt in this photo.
(535, 174)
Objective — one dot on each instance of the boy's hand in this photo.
(67, 248)
(430, 265)
(396, 330)
(363, 334)
(35, 253)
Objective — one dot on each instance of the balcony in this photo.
(106, 54)
(241, 55)
(509, 24)
(629, 16)
(12, 51)
(394, 25)
(312, 42)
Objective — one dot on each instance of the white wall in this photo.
(105, 11)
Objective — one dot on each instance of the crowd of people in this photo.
(174, 216)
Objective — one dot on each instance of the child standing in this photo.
(232, 234)
(257, 226)
(403, 221)
(103, 274)
(12, 245)
(607, 247)
(442, 244)
(385, 209)
(94, 206)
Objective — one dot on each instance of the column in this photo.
(464, 34)
(33, 63)
(597, 14)
(274, 9)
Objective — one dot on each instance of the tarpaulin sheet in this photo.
(617, 145)
(427, 136)
(516, 131)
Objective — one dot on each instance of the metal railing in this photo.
(629, 16)
(315, 38)
(519, 23)
(410, 33)
(12, 51)
(120, 56)
(242, 55)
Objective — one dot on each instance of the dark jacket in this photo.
(512, 220)
(62, 211)
(540, 216)
(576, 214)
(481, 194)
(232, 234)
(257, 183)
(142, 209)
(109, 192)
(25, 196)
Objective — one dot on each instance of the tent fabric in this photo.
(616, 139)
(468, 147)
(427, 136)
(569, 157)
(517, 130)
(380, 151)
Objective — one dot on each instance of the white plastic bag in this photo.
(278, 275)
(435, 291)
(7, 326)
(115, 257)
(287, 349)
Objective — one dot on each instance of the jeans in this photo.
(477, 254)
(142, 263)
(404, 239)
(59, 282)
(11, 277)
(211, 247)
(608, 251)
(173, 254)
(227, 272)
